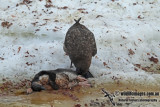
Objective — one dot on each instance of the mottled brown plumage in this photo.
(80, 45)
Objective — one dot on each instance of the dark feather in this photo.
(80, 45)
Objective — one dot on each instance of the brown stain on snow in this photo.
(69, 98)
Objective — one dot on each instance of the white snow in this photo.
(30, 44)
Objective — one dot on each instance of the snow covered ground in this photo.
(127, 32)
